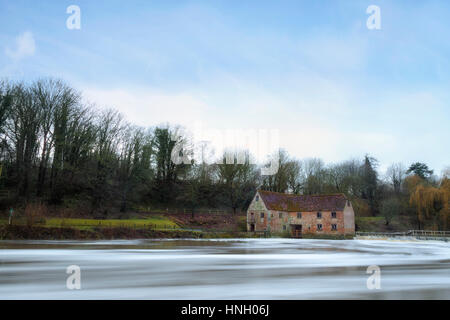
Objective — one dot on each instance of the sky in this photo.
(313, 70)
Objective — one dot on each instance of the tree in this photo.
(446, 172)
(396, 174)
(420, 169)
(370, 183)
(63, 113)
(432, 203)
(445, 211)
(167, 172)
(238, 181)
(343, 177)
(294, 176)
(390, 208)
(279, 182)
(109, 128)
(5, 105)
(347, 177)
(22, 130)
(134, 170)
(50, 95)
(314, 170)
(198, 189)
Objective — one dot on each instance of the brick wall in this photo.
(275, 220)
(282, 221)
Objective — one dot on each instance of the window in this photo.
(299, 215)
(280, 215)
(319, 227)
(334, 227)
(284, 228)
(257, 198)
(333, 215)
(262, 214)
(319, 215)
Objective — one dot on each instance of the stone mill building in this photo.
(300, 214)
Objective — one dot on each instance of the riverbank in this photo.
(21, 232)
(134, 226)
(18, 232)
(149, 226)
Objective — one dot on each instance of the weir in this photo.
(408, 235)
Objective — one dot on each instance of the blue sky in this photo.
(311, 69)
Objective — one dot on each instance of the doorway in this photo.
(296, 230)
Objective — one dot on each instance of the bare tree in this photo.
(49, 95)
(22, 130)
(238, 181)
(278, 182)
(396, 174)
(314, 170)
(134, 167)
(294, 177)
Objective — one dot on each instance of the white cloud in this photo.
(150, 107)
(253, 110)
(321, 118)
(24, 47)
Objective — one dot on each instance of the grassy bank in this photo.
(159, 226)
(378, 224)
(150, 226)
(153, 222)
(23, 232)
(18, 232)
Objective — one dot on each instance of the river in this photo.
(225, 269)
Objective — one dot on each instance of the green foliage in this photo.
(420, 169)
(390, 208)
(370, 183)
(154, 222)
(237, 181)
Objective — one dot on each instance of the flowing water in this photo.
(225, 269)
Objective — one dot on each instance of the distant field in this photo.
(155, 222)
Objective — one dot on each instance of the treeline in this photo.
(412, 192)
(56, 148)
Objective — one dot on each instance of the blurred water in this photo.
(225, 269)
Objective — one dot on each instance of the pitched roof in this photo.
(292, 202)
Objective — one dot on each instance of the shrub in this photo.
(390, 208)
(35, 213)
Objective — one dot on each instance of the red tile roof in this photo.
(298, 203)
